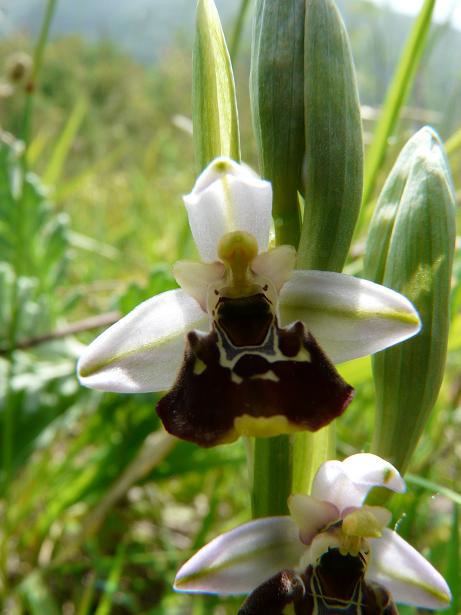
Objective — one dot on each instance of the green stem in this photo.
(272, 476)
(273, 457)
(36, 67)
(309, 451)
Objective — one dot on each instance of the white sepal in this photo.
(144, 350)
(409, 577)
(228, 197)
(368, 470)
(346, 484)
(349, 317)
(240, 560)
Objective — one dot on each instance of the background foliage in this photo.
(97, 507)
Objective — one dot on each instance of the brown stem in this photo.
(87, 324)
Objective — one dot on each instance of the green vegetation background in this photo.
(98, 510)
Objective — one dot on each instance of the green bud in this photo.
(334, 151)
(410, 249)
(214, 105)
(277, 99)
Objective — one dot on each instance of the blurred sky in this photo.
(443, 8)
(147, 27)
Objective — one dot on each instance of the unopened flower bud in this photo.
(410, 249)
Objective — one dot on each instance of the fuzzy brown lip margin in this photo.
(289, 377)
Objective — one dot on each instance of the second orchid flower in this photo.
(333, 554)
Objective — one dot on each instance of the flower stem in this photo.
(36, 67)
(273, 457)
(271, 476)
(309, 451)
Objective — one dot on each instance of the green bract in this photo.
(334, 153)
(410, 249)
(214, 111)
(277, 97)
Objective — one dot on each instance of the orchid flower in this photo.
(333, 551)
(246, 345)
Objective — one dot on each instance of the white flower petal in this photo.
(346, 484)
(332, 484)
(238, 561)
(195, 278)
(369, 470)
(409, 577)
(144, 350)
(228, 197)
(276, 264)
(311, 515)
(349, 317)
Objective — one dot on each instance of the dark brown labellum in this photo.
(249, 376)
(335, 586)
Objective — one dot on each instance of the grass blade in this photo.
(396, 97)
(64, 143)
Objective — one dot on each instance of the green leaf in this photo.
(37, 595)
(214, 105)
(277, 98)
(238, 28)
(112, 584)
(33, 238)
(410, 249)
(453, 143)
(396, 96)
(64, 142)
(334, 151)
(429, 485)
